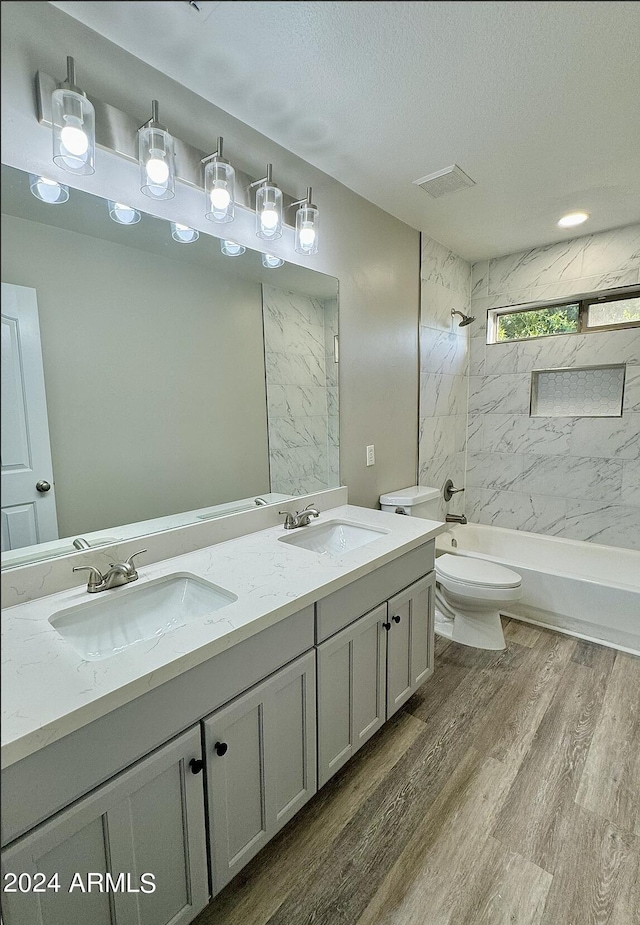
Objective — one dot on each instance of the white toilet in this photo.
(469, 591)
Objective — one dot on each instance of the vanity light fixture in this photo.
(231, 249)
(183, 234)
(74, 126)
(156, 157)
(123, 214)
(307, 218)
(219, 186)
(49, 191)
(271, 262)
(268, 208)
(571, 219)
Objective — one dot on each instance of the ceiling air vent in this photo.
(446, 181)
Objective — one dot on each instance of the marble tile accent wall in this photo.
(302, 391)
(444, 370)
(577, 477)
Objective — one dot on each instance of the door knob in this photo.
(387, 626)
(196, 765)
(396, 619)
(43, 485)
(221, 748)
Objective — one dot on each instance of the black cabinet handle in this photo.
(196, 765)
(387, 626)
(221, 748)
(396, 619)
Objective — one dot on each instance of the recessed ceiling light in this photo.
(573, 218)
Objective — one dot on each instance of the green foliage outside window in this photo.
(540, 322)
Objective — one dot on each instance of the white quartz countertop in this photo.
(49, 691)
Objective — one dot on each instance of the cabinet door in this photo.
(351, 690)
(410, 641)
(261, 765)
(148, 820)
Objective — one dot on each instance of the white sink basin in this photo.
(333, 538)
(121, 617)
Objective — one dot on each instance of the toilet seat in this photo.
(477, 573)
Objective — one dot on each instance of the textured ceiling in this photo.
(538, 102)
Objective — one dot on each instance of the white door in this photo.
(28, 514)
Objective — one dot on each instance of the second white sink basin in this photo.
(121, 617)
(333, 538)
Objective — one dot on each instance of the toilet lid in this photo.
(476, 572)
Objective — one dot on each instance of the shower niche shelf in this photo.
(586, 391)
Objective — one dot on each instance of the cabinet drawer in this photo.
(342, 607)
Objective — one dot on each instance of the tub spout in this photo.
(455, 519)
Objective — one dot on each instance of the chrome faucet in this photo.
(300, 518)
(260, 502)
(120, 573)
(81, 543)
(456, 518)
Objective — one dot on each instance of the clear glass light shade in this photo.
(271, 262)
(123, 214)
(231, 249)
(269, 212)
(49, 191)
(157, 163)
(307, 230)
(74, 132)
(219, 185)
(183, 234)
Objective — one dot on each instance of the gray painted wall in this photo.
(576, 477)
(374, 256)
(154, 371)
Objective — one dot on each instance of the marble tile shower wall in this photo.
(575, 477)
(302, 391)
(444, 367)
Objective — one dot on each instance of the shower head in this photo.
(466, 319)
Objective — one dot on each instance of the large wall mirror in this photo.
(149, 383)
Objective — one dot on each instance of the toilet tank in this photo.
(417, 501)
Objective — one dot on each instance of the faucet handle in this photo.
(95, 579)
(289, 521)
(129, 562)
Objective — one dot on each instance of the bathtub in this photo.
(582, 589)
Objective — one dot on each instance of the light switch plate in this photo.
(371, 455)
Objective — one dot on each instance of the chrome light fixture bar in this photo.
(73, 122)
(117, 131)
(219, 187)
(156, 157)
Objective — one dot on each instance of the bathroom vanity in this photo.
(181, 756)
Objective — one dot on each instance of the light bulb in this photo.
(220, 198)
(157, 170)
(307, 235)
(271, 262)
(269, 219)
(74, 140)
(49, 191)
(183, 234)
(123, 214)
(231, 249)
(572, 219)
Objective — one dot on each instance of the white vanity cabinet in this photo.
(369, 669)
(261, 765)
(149, 819)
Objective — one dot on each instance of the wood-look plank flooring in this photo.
(506, 792)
